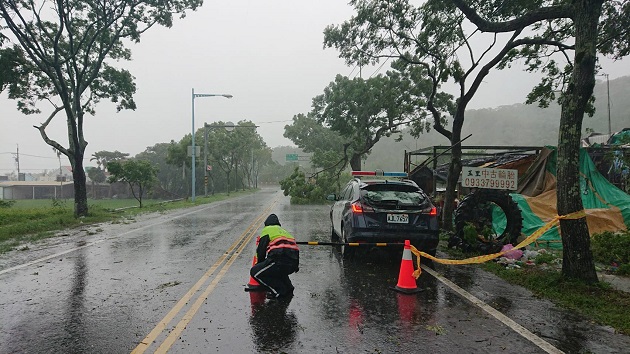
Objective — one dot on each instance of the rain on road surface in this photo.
(174, 282)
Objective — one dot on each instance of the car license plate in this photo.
(398, 218)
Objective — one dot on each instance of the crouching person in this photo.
(278, 256)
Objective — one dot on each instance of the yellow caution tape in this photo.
(481, 259)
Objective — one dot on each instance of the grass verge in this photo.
(32, 220)
(598, 302)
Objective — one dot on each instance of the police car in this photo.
(378, 206)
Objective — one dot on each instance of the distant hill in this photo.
(517, 124)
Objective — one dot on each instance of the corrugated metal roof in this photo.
(595, 138)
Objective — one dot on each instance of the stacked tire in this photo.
(474, 210)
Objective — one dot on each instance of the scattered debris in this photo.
(439, 330)
(168, 285)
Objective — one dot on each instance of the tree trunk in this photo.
(577, 259)
(228, 183)
(355, 162)
(454, 170)
(80, 190)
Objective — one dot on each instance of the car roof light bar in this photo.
(379, 173)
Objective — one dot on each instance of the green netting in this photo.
(623, 137)
(531, 223)
(597, 193)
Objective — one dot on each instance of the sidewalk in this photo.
(617, 282)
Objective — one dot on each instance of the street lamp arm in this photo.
(212, 95)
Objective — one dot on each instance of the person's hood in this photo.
(272, 220)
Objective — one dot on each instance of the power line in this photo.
(384, 62)
(353, 69)
(43, 157)
(275, 121)
(30, 169)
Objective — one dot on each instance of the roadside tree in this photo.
(591, 26)
(177, 157)
(327, 148)
(14, 68)
(73, 44)
(104, 157)
(262, 158)
(362, 111)
(138, 174)
(433, 41)
(234, 150)
(170, 183)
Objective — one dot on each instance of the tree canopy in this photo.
(432, 46)
(138, 174)
(70, 48)
(578, 30)
(434, 35)
(104, 157)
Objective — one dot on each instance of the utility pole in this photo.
(608, 89)
(17, 159)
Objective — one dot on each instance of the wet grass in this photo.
(597, 302)
(31, 220)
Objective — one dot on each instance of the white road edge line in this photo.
(524, 332)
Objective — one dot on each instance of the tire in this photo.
(474, 209)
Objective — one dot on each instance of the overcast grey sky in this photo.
(268, 54)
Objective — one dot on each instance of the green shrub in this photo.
(624, 269)
(470, 233)
(543, 258)
(611, 247)
(6, 203)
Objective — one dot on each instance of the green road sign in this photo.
(292, 157)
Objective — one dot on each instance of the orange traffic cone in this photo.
(253, 284)
(406, 280)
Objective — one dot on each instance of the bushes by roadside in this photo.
(613, 250)
(6, 203)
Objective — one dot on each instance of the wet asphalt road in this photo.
(175, 282)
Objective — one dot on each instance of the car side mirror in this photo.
(332, 197)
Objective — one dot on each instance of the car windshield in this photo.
(394, 195)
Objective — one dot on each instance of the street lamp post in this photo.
(193, 153)
(608, 92)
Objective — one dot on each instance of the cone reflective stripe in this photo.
(253, 284)
(406, 280)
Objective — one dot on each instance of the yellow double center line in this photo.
(239, 245)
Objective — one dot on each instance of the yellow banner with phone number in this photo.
(481, 259)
